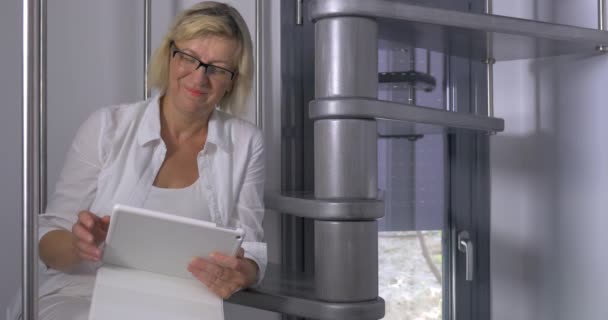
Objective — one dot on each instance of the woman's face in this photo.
(199, 90)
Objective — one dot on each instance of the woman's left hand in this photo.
(224, 275)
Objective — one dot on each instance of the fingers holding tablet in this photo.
(224, 275)
(89, 232)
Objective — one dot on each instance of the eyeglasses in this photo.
(189, 63)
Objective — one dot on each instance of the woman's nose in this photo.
(200, 76)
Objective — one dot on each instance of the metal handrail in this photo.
(42, 106)
(259, 120)
(31, 90)
(147, 44)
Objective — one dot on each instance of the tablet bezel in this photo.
(133, 240)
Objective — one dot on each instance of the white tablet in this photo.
(164, 243)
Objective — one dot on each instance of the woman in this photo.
(178, 152)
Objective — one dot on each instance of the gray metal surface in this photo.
(489, 61)
(346, 260)
(147, 44)
(259, 115)
(345, 159)
(305, 205)
(512, 38)
(490, 87)
(31, 157)
(470, 206)
(346, 57)
(378, 109)
(601, 15)
(466, 246)
(601, 22)
(42, 107)
(345, 151)
(294, 294)
(402, 129)
(299, 12)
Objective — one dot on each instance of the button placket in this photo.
(206, 166)
(206, 182)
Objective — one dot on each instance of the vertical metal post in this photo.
(259, 116)
(489, 67)
(147, 41)
(601, 21)
(453, 255)
(346, 252)
(299, 12)
(30, 154)
(346, 260)
(336, 42)
(412, 89)
(489, 8)
(338, 142)
(601, 14)
(447, 71)
(42, 107)
(490, 85)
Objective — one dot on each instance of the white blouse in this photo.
(115, 157)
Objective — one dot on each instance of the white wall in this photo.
(549, 177)
(10, 143)
(95, 59)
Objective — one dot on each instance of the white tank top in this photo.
(191, 201)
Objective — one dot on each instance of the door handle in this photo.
(465, 245)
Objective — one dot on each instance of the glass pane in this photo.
(410, 274)
(412, 179)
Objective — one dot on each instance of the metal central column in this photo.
(346, 252)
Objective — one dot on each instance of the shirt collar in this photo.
(149, 129)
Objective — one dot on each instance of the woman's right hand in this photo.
(89, 232)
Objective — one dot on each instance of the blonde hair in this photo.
(208, 18)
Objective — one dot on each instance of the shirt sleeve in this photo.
(250, 207)
(77, 184)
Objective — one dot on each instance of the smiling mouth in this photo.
(194, 92)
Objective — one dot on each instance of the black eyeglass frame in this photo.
(175, 49)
